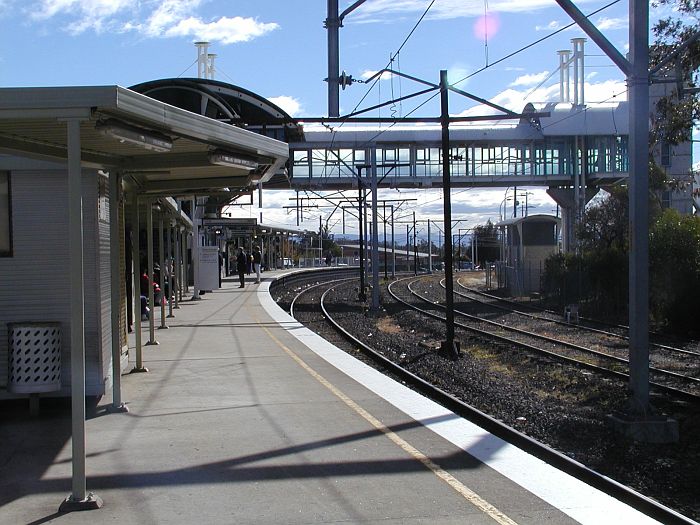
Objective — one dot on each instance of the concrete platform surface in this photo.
(247, 417)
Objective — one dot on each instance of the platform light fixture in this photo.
(127, 134)
(231, 160)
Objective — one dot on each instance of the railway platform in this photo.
(247, 417)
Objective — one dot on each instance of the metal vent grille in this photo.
(35, 357)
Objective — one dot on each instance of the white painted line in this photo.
(575, 498)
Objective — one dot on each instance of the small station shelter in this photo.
(525, 244)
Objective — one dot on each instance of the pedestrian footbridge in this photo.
(575, 143)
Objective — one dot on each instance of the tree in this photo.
(487, 243)
(598, 274)
(678, 112)
(674, 260)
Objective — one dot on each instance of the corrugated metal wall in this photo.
(124, 345)
(34, 282)
(104, 281)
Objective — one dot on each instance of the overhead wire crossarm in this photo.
(425, 120)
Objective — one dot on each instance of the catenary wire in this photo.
(533, 43)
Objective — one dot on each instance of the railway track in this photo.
(604, 359)
(612, 330)
(309, 303)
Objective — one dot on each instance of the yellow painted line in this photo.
(468, 494)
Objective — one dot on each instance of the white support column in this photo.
(115, 289)
(430, 251)
(170, 266)
(202, 59)
(136, 283)
(567, 78)
(195, 250)
(149, 254)
(79, 499)
(563, 75)
(576, 75)
(185, 285)
(161, 258)
(393, 245)
(177, 283)
(260, 203)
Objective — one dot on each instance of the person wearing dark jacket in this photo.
(241, 266)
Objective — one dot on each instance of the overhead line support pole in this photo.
(449, 347)
(333, 27)
(375, 234)
(386, 267)
(361, 220)
(638, 84)
(639, 422)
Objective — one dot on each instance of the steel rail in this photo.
(547, 454)
(589, 320)
(312, 287)
(597, 353)
(559, 341)
(681, 394)
(567, 344)
(588, 328)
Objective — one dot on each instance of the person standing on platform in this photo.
(257, 261)
(241, 265)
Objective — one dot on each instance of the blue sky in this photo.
(277, 48)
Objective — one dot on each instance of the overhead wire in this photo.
(486, 32)
(185, 71)
(528, 46)
(369, 90)
(487, 66)
(376, 80)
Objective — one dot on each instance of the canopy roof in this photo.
(166, 150)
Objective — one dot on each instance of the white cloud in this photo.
(605, 23)
(162, 19)
(608, 91)
(97, 8)
(387, 10)
(225, 30)
(291, 105)
(89, 14)
(515, 100)
(386, 75)
(169, 14)
(369, 73)
(552, 26)
(530, 80)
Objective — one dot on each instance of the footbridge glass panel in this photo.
(553, 160)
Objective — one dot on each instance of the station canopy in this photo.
(165, 150)
(233, 105)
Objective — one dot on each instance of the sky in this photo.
(277, 48)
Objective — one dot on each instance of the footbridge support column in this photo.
(571, 212)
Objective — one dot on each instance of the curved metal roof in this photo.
(224, 102)
(566, 119)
